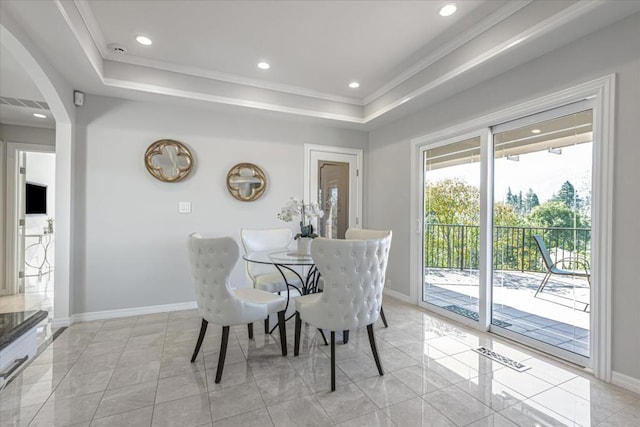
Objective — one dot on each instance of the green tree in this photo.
(554, 214)
(505, 215)
(452, 201)
(530, 201)
(567, 195)
(452, 210)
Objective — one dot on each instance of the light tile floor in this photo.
(136, 372)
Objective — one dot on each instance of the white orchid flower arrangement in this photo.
(306, 211)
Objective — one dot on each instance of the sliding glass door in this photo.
(528, 191)
(542, 228)
(452, 227)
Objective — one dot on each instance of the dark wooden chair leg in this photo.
(250, 327)
(296, 340)
(203, 331)
(223, 352)
(374, 349)
(266, 326)
(333, 361)
(384, 318)
(324, 338)
(345, 336)
(283, 332)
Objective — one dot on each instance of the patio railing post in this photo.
(462, 247)
(522, 246)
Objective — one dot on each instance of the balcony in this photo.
(558, 316)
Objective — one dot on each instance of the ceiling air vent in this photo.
(18, 102)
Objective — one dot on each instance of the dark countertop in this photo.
(13, 325)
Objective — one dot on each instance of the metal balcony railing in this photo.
(458, 246)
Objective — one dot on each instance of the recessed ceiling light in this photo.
(146, 41)
(535, 131)
(40, 116)
(447, 9)
(264, 65)
(354, 85)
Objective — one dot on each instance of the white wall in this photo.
(131, 242)
(604, 52)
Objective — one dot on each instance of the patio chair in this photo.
(552, 267)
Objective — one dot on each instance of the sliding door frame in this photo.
(602, 93)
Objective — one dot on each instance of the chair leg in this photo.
(324, 338)
(266, 326)
(296, 339)
(203, 331)
(283, 332)
(384, 318)
(374, 349)
(250, 327)
(345, 336)
(333, 361)
(543, 283)
(223, 353)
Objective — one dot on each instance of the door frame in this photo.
(602, 92)
(330, 150)
(12, 209)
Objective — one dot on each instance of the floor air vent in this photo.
(513, 364)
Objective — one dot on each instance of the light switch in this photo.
(184, 207)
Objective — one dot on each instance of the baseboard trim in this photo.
(61, 322)
(625, 381)
(397, 295)
(134, 311)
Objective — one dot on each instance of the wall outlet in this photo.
(184, 207)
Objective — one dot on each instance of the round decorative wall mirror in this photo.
(168, 160)
(246, 182)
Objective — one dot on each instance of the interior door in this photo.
(333, 180)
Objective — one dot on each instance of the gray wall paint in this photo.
(604, 52)
(29, 135)
(130, 239)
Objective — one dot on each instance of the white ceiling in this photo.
(404, 54)
(317, 46)
(16, 85)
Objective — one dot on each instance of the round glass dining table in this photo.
(287, 260)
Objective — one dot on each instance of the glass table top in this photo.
(281, 256)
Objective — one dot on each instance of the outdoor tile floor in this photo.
(135, 371)
(556, 316)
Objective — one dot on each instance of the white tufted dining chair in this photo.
(366, 234)
(211, 261)
(353, 272)
(262, 276)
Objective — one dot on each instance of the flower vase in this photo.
(304, 245)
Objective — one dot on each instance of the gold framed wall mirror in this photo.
(246, 182)
(168, 160)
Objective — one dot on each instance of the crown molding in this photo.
(82, 32)
(230, 78)
(162, 90)
(555, 21)
(91, 24)
(495, 18)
